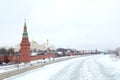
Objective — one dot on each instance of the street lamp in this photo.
(18, 59)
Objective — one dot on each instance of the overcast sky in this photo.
(80, 24)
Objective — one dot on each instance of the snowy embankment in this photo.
(96, 67)
(7, 68)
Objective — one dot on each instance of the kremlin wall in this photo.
(27, 51)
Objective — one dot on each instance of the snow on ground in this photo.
(110, 67)
(95, 67)
(7, 68)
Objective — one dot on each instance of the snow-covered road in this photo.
(96, 67)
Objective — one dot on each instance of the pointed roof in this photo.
(25, 27)
(25, 34)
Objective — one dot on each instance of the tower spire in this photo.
(25, 27)
(25, 34)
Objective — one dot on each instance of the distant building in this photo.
(35, 46)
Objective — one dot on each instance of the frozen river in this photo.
(95, 67)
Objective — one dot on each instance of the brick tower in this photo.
(25, 46)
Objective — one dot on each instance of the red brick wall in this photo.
(42, 57)
(36, 57)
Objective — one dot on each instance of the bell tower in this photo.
(25, 46)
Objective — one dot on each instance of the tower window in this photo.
(25, 47)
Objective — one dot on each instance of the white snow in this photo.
(7, 68)
(95, 67)
(33, 54)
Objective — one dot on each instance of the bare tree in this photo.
(4, 52)
(11, 51)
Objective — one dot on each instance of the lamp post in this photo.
(18, 60)
(48, 50)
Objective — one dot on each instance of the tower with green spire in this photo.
(25, 34)
(25, 46)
